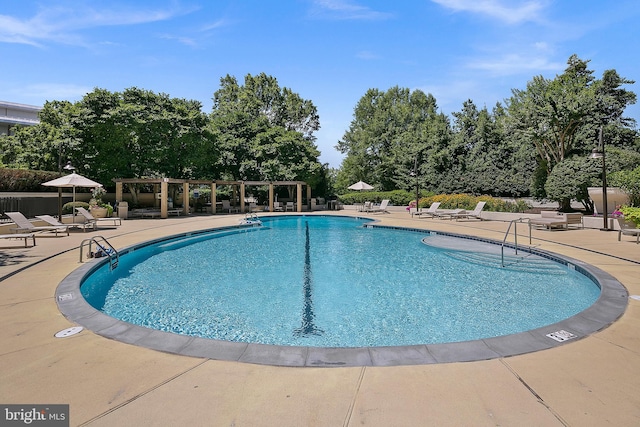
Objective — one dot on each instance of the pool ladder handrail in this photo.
(104, 246)
(513, 222)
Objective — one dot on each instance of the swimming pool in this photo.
(319, 282)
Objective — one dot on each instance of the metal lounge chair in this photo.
(432, 211)
(380, 209)
(25, 226)
(54, 222)
(25, 236)
(475, 214)
(628, 228)
(92, 221)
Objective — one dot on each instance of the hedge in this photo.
(17, 180)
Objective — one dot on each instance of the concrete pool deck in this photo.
(592, 381)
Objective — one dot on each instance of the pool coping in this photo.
(609, 307)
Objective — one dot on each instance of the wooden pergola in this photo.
(164, 191)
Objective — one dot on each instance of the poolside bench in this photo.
(25, 236)
(552, 220)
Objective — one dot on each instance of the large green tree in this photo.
(391, 138)
(561, 116)
(264, 132)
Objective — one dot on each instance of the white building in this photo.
(12, 114)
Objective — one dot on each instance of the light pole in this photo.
(415, 173)
(598, 153)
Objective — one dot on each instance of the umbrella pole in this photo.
(60, 204)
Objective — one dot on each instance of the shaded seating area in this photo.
(628, 228)
(161, 187)
(25, 226)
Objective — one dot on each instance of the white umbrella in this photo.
(72, 180)
(360, 185)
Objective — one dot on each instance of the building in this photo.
(12, 114)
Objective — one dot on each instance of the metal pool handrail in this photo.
(515, 236)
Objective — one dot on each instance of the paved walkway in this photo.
(591, 382)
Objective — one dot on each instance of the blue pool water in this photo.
(329, 282)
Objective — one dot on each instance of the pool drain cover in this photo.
(561, 336)
(68, 332)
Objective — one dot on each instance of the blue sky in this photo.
(328, 51)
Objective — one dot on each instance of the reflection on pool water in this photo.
(329, 282)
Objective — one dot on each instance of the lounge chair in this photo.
(25, 236)
(432, 211)
(552, 220)
(628, 228)
(25, 226)
(54, 222)
(289, 207)
(226, 206)
(382, 208)
(277, 207)
(475, 214)
(92, 221)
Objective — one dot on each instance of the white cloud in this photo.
(345, 10)
(499, 9)
(38, 93)
(516, 63)
(367, 55)
(59, 24)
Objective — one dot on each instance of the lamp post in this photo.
(415, 173)
(598, 153)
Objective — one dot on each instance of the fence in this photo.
(31, 205)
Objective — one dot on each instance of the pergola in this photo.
(164, 190)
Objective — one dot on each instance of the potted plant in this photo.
(97, 207)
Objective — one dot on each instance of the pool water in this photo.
(330, 282)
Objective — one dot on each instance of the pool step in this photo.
(525, 262)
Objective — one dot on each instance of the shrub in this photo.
(468, 202)
(68, 208)
(631, 214)
(628, 181)
(15, 180)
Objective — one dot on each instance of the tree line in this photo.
(535, 144)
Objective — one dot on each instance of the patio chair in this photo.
(277, 207)
(432, 211)
(24, 236)
(92, 221)
(226, 206)
(474, 214)
(290, 207)
(378, 209)
(25, 226)
(628, 228)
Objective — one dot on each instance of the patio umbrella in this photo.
(359, 186)
(72, 180)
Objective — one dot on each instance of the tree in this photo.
(560, 117)
(264, 132)
(390, 130)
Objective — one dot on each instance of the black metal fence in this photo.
(30, 206)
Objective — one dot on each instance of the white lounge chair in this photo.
(473, 214)
(54, 222)
(432, 211)
(290, 207)
(92, 221)
(382, 208)
(25, 236)
(24, 225)
(277, 207)
(628, 228)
